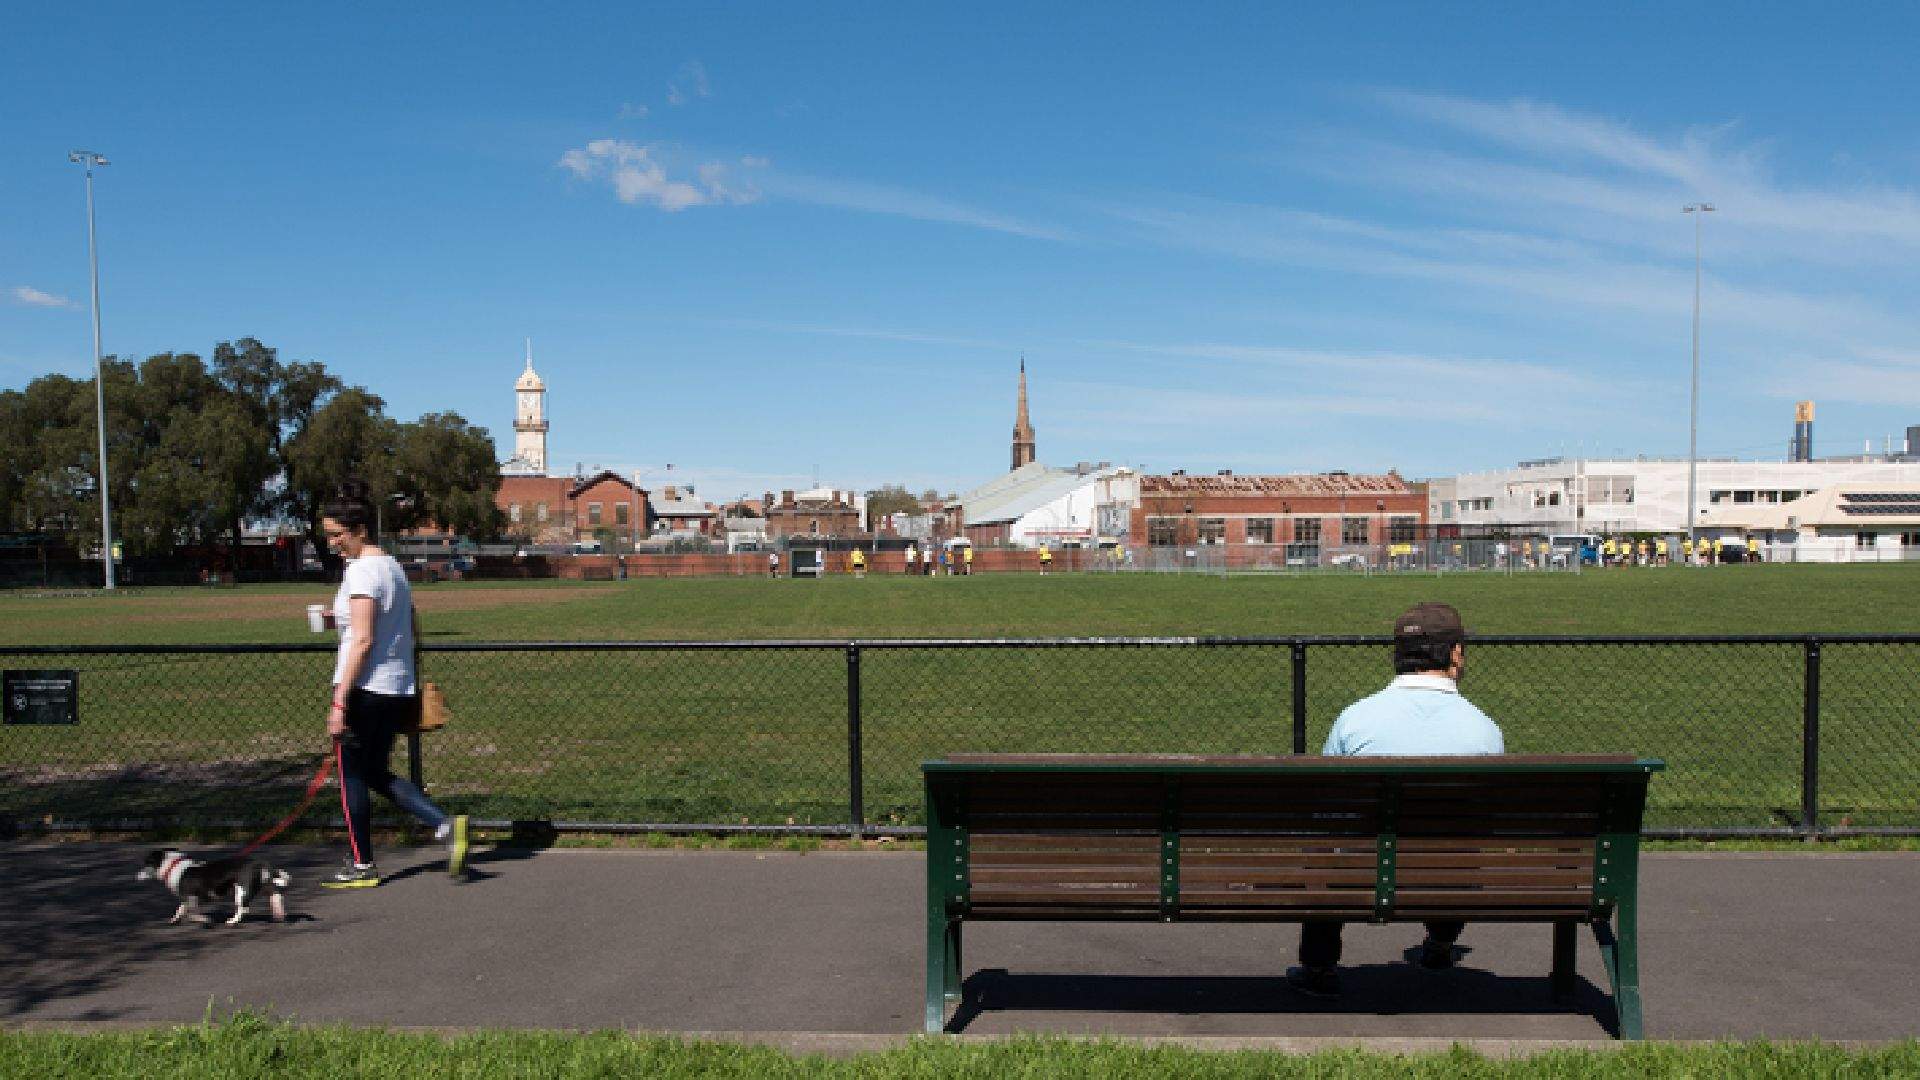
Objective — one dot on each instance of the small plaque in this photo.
(41, 697)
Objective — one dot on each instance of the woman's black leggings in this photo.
(362, 752)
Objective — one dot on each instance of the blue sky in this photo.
(754, 241)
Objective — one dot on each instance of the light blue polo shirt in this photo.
(1416, 715)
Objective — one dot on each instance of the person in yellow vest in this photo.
(1526, 554)
(1660, 552)
(966, 561)
(1046, 559)
(1686, 551)
(1719, 548)
(858, 560)
(1606, 552)
(1645, 551)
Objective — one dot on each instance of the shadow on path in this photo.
(73, 921)
(1370, 989)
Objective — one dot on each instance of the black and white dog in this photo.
(193, 881)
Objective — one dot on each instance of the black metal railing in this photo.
(1787, 735)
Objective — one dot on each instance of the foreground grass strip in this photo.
(250, 1046)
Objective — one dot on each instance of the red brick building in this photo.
(1322, 511)
(822, 512)
(566, 510)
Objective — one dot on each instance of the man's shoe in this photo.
(1317, 982)
(1436, 955)
(457, 846)
(354, 876)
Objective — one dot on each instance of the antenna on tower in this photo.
(529, 354)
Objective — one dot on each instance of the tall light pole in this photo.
(1699, 212)
(88, 159)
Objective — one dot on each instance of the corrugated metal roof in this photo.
(680, 508)
(1842, 506)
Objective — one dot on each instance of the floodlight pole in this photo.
(89, 159)
(1699, 211)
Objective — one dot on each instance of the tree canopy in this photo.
(197, 450)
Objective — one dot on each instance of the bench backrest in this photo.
(1165, 837)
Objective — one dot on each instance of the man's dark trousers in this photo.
(1320, 941)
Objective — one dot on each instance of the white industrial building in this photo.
(1849, 523)
(1036, 504)
(1644, 495)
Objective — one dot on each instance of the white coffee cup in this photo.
(316, 617)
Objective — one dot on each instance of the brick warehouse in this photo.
(1308, 511)
(567, 509)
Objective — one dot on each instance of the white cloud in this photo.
(638, 176)
(689, 83)
(32, 297)
(630, 111)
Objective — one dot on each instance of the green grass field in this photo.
(760, 736)
(250, 1047)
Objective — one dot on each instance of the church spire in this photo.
(1022, 427)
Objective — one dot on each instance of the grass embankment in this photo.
(247, 1047)
(760, 736)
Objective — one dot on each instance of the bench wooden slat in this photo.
(1047, 840)
(1147, 874)
(1060, 857)
(1276, 875)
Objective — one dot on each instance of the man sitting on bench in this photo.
(1420, 713)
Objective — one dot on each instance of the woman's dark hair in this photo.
(351, 507)
(1412, 655)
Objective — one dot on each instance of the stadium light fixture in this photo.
(1699, 212)
(89, 161)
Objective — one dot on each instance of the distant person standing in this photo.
(1421, 712)
(858, 560)
(773, 564)
(1046, 559)
(966, 561)
(913, 560)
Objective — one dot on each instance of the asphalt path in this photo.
(1732, 945)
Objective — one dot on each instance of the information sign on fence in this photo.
(41, 697)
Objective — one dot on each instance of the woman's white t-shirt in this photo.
(389, 666)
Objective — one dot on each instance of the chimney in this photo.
(671, 493)
(1803, 431)
(786, 497)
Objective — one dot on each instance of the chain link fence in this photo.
(1762, 735)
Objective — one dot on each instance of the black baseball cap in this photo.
(1429, 622)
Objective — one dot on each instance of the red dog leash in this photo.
(313, 788)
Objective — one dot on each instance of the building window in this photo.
(593, 514)
(1162, 532)
(1259, 530)
(1354, 530)
(1910, 539)
(1717, 497)
(1401, 530)
(1307, 531)
(1213, 530)
(513, 513)
(1743, 496)
(1863, 539)
(620, 516)
(540, 512)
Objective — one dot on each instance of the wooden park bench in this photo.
(1512, 838)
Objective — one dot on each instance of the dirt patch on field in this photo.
(261, 607)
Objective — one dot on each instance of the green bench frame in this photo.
(1510, 838)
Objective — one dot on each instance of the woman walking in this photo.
(375, 692)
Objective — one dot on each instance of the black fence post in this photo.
(413, 760)
(1299, 697)
(1810, 742)
(857, 809)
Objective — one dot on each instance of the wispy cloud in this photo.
(898, 202)
(638, 176)
(631, 111)
(32, 297)
(688, 83)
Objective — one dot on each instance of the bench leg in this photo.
(936, 974)
(1566, 939)
(1621, 954)
(953, 966)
